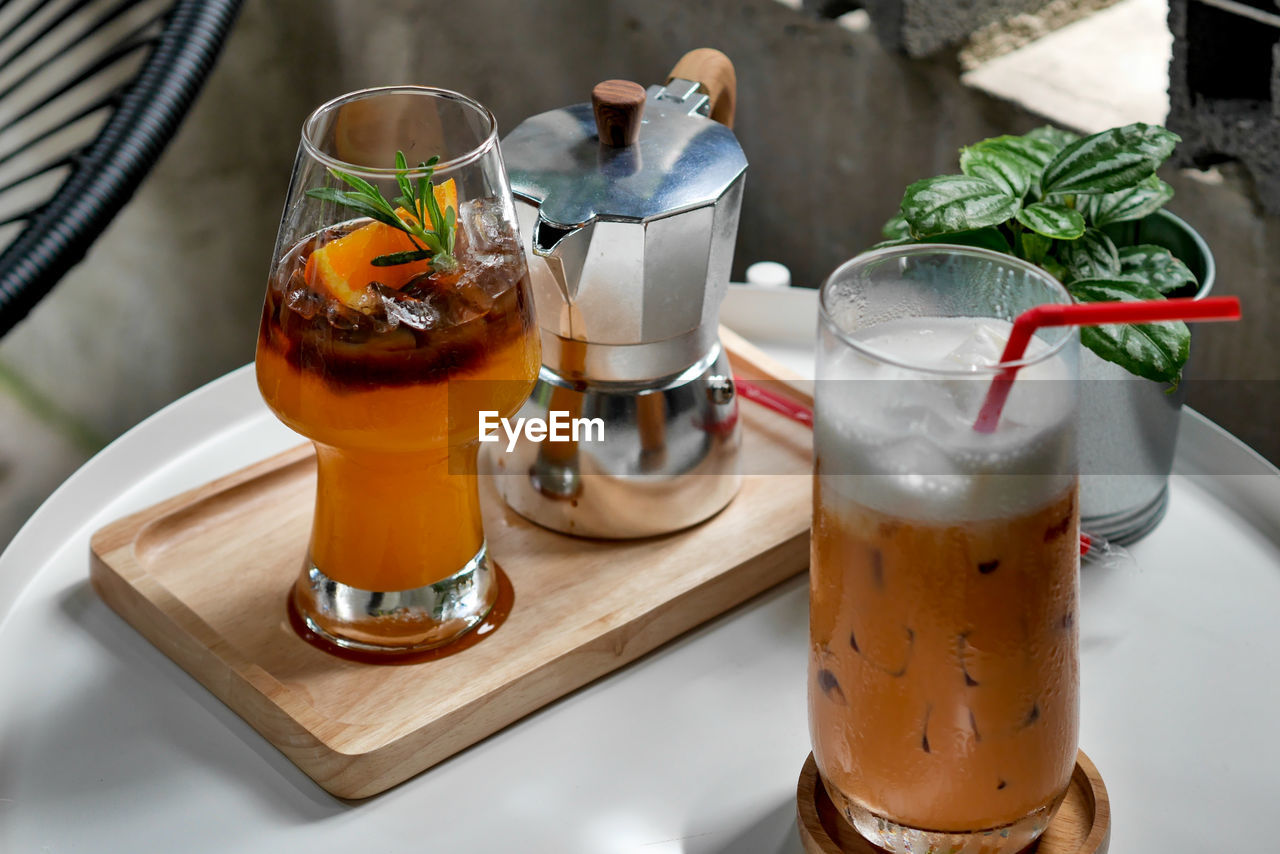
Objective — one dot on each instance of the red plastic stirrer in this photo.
(1091, 314)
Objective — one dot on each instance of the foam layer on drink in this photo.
(895, 433)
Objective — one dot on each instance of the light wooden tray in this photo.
(1082, 824)
(204, 577)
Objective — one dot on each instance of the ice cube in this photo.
(303, 301)
(342, 317)
(486, 228)
(915, 417)
(916, 457)
(981, 348)
(416, 312)
(475, 296)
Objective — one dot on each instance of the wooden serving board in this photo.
(204, 577)
(1082, 824)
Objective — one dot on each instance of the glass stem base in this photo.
(902, 839)
(401, 621)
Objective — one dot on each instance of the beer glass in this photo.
(397, 308)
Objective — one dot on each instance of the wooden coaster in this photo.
(204, 577)
(1082, 824)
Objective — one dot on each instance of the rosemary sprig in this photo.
(435, 244)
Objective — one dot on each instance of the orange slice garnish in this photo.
(343, 268)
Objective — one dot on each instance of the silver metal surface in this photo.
(1128, 425)
(668, 458)
(629, 253)
(687, 93)
(628, 245)
(682, 160)
(632, 282)
(626, 363)
(1128, 432)
(720, 388)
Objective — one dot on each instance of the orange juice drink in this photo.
(398, 310)
(391, 397)
(943, 675)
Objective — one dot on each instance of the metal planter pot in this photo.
(1129, 426)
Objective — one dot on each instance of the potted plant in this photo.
(1088, 210)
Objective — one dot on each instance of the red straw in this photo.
(772, 400)
(1091, 314)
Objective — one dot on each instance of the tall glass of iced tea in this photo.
(943, 649)
(397, 308)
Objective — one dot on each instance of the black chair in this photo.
(91, 91)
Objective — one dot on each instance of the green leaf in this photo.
(1055, 136)
(370, 194)
(895, 228)
(951, 203)
(1054, 140)
(450, 227)
(1142, 199)
(983, 238)
(328, 194)
(419, 202)
(999, 164)
(368, 200)
(1156, 351)
(1054, 268)
(1091, 256)
(1033, 153)
(356, 202)
(1108, 161)
(1052, 220)
(433, 212)
(424, 188)
(361, 185)
(1154, 266)
(1034, 246)
(395, 258)
(406, 189)
(432, 239)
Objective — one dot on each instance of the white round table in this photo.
(107, 746)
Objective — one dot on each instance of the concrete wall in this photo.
(1224, 87)
(1236, 376)
(833, 124)
(922, 27)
